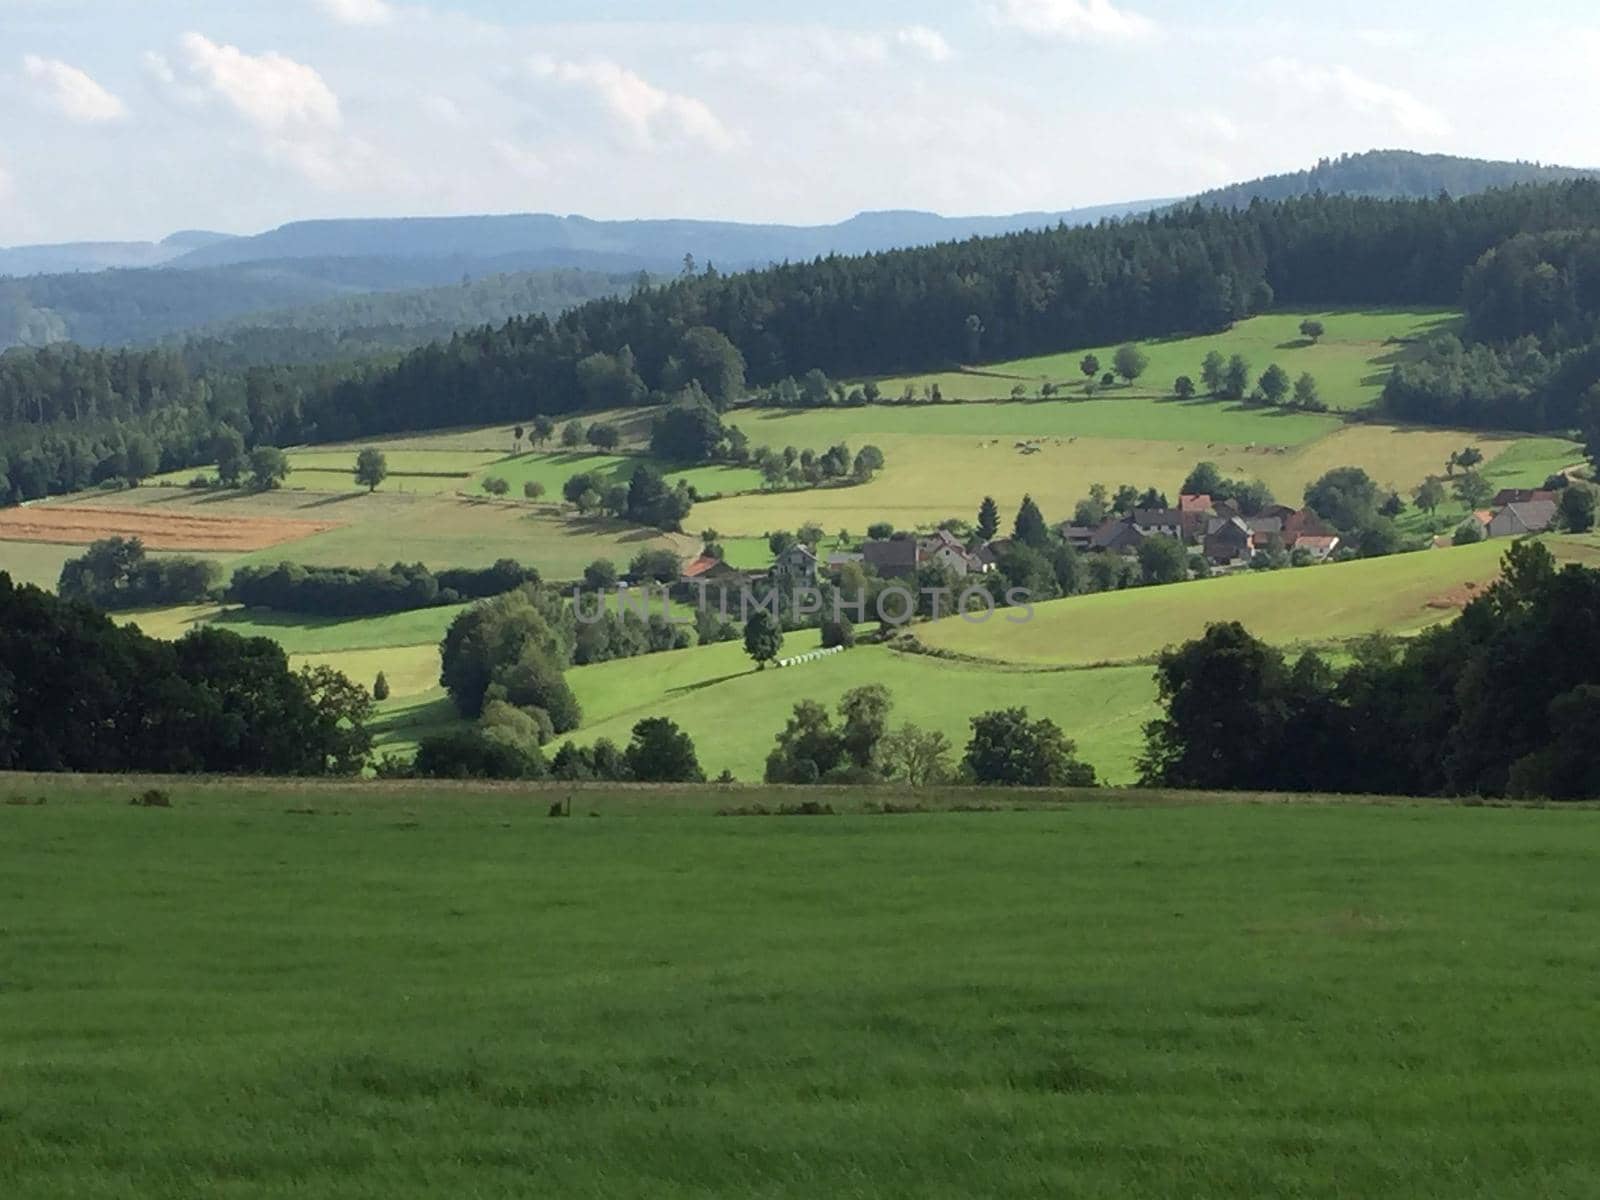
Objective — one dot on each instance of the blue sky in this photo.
(133, 118)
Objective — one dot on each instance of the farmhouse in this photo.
(710, 569)
(1522, 517)
(1507, 496)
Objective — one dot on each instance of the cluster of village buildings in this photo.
(1216, 529)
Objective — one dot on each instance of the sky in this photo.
(130, 119)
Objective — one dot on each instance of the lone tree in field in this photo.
(988, 519)
(763, 638)
(1183, 388)
(1235, 378)
(572, 434)
(1305, 394)
(541, 430)
(1473, 490)
(269, 467)
(1213, 372)
(1430, 494)
(533, 489)
(228, 450)
(660, 752)
(1130, 362)
(1313, 329)
(1575, 509)
(603, 436)
(496, 486)
(1274, 384)
(372, 468)
(1089, 365)
(380, 687)
(1010, 750)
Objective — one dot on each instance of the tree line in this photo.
(81, 693)
(1501, 701)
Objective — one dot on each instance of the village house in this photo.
(795, 567)
(1319, 545)
(944, 548)
(1228, 542)
(1167, 522)
(892, 558)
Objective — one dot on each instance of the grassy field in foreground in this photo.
(1351, 363)
(428, 992)
(1398, 594)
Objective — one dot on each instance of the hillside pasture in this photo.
(424, 990)
(1312, 605)
(734, 711)
(1351, 363)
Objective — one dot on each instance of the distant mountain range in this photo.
(121, 292)
(532, 241)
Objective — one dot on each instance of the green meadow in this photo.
(1351, 362)
(734, 711)
(411, 991)
(1400, 594)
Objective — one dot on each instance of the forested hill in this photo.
(1192, 270)
(1393, 175)
(404, 303)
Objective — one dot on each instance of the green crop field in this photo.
(425, 991)
(1350, 363)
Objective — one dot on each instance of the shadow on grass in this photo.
(686, 688)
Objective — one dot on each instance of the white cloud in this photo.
(72, 91)
(650, 116)
(929, 43)
(1075, 20)
(443, 109)
(1211, 124)
(270, 91)
(519, 160)
(1366, 96)
(289, 105)
(358, 12)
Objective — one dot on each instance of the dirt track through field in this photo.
(158, 530)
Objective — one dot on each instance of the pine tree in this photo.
(988, 518)
(1030, 528)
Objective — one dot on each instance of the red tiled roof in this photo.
(700, 566)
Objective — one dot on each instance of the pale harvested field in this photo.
(158, 530)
